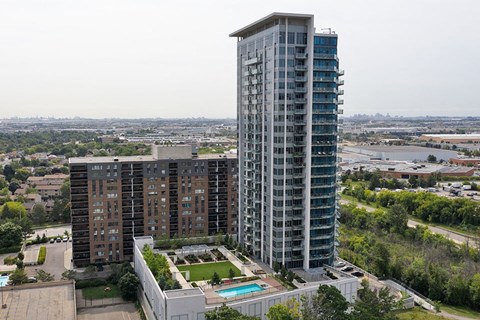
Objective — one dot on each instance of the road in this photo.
(455, 236)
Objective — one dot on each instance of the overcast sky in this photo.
(158, 58)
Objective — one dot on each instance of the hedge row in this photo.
(42, 254)
(80, 284)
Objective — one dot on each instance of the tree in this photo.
(413, 181)
(431, 158)
(373, 305)
(69, 274)
(231, 274)
(397, 218)
(290, 276)
(12, 210)
(215, 279)
(227, 313)
(18, 276)
(8, 172)
(475, 290)
(276, 266)
(128, 284)
(38, 214)
(279, 312)
(44, 276)
(10, 235)
(327, 304)
(22, 174)
(288, 311)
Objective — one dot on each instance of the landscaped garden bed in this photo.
(206, 257)
(218, 255)
(192, 258)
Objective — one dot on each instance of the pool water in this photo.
(238, 291)
(3, 281)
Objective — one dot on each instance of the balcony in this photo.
(300, 68)
(341, 72)
(300, 111)
(327, 90)
(340, 92)
(323, 100)
(301, 79)
(324, 79)
(300, 90)
(325, 56)
(340, 111)
(326, 68)
(340, 82)
(340, 102)
(300, 100)
(301, 56)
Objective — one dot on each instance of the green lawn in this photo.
(204, 271)
(460, 311)
(418, 314)
(99, 293)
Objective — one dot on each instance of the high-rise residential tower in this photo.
(171, 193)
(287, 99)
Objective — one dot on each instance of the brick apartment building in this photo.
(171, 193)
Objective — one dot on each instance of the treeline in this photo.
(67, 143)
(381, 243)
(374, 180)
(427, 206)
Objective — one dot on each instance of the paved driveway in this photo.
(55, 261)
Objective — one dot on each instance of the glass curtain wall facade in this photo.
(287, 108)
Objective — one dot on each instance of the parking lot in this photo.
(57, 256)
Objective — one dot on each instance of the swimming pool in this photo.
(3, 281)
(238, 291)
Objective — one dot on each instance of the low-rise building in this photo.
(193, 302)
(405, 170)
(451, 138)
(466, 162)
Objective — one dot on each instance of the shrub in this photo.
(128, 284)
(80, 284)
(180, 261)
(10, 260)
(42, 254)
(194, 284)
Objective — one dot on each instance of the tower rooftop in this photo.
(267, 20)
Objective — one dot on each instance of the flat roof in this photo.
(405, 167)
(265, 20)
(183, 292)
(453, 136)
(43, 301)
(395, 148)
(111, 159)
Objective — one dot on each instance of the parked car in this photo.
(339, 264)
(347, 269)
(52, 240)
(65, 239)
(58, 239)
(31, 280)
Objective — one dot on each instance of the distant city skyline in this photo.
(150, 59)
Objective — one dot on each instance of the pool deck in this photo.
(212, 297)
